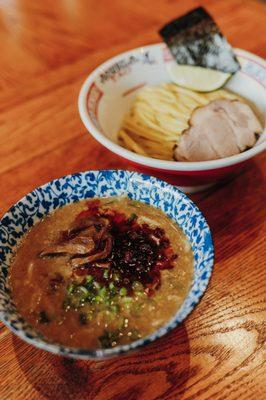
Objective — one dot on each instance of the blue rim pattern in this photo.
(71, 188)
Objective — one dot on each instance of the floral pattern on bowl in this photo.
(43, 200)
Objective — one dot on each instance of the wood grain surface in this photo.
(47, 49)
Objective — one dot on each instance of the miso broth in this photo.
(101, 272)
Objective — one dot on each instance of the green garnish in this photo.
(137, 286)
(127, 300)
(89, 278)
(112, 289)
(82, 290)
(103, 292)
(98, 299)
(96, 285)
(123, 291)
(115, 308)
(106, 274)
(70, 288)
(116, 277)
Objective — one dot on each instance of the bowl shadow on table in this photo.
(157, 371)
(234, 211)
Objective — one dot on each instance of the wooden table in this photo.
(47, 49)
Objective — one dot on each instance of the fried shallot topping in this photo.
(102, 239)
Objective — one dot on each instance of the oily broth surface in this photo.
(30, 280)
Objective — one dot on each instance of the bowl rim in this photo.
(173, 322)
(153, 162)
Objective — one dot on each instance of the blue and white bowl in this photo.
(43, 200)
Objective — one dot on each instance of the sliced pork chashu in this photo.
(220, 129)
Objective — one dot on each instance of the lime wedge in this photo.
(197, 78)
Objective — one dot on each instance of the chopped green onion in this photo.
(103, 292)
(90, 316)
(116, 277)
(98, 299)
(89, 278)
(127, 299)
(107, 301)
(83, 290)
(137, 286)
(123, 291)
(106, 274)
(112, 289)
(70, 288)
(96, 284)
(115, 308)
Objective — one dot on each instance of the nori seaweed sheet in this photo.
(195, 39)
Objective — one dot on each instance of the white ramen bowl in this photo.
(109, 91)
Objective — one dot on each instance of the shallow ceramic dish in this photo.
(71, 188)
(109, 91)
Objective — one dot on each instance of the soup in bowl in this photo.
(99, 263)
